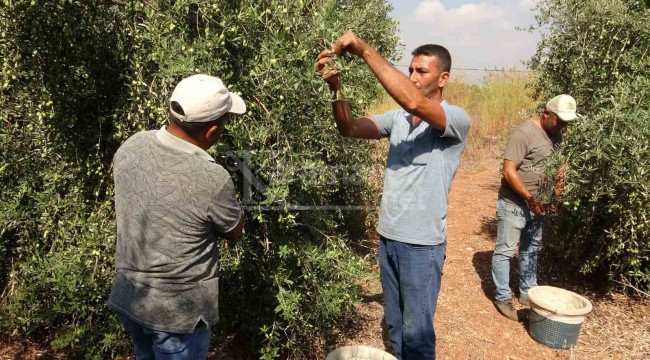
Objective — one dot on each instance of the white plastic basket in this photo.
(359, 352)
(558, 304)
(557, 316)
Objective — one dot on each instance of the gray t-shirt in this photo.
(422, 162)
(528, 145)
(171, 202)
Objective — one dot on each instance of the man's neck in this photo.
(539, 121)
(179, 133)
(436, 96)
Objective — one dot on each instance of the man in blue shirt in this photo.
(427, 139)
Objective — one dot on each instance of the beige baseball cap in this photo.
(564, 106)
(204, 98)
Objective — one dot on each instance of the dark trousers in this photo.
(410, 278)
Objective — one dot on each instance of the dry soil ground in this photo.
(467, 324)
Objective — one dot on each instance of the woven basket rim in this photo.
(537, 298)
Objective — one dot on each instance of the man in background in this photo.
(520, 212)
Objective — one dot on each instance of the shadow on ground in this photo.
(488, 227)
(379, 299)
(482, 262)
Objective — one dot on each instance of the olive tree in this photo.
(597, 51)
(79, 77)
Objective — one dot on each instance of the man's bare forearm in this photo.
(515, 182)
(517, 185)
(560, 181)
(343, 116)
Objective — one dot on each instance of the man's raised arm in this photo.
(398, 86)
(347, 125)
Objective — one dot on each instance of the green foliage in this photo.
(597, 51)
(79, 77)
(588, 47)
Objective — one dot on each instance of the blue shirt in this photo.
(422, 162)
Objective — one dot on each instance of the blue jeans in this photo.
(410, 279)
(516, 225)
(152, 344)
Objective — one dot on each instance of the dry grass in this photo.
(617, 328)
(495, 106)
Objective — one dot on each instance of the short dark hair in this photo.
(439, 52)
(193, 129)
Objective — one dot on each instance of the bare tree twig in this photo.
(625, 282)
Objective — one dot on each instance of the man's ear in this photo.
(443, 79)
(212, 132)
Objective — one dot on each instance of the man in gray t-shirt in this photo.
(520, 212)
(172, 203)
(427, 138)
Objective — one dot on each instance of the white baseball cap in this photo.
(204, 98)
(564, 106)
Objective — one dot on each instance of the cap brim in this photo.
(238, 105)
(567, 117)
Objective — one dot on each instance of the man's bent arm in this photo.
(558, 186)
(234, 234)
(513, 179)
(348, 126)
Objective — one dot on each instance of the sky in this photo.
(478, 34)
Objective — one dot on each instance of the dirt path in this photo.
(467, 324)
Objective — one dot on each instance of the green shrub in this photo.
(588, 47)
(604, 225)
(598, 52)
(79, 77)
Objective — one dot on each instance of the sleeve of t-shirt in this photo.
(385, 122)
(225, 210)
(516, 149)
(457, 123)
